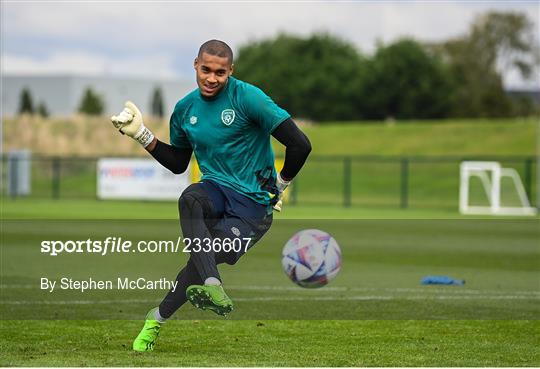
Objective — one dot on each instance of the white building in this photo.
(62, 94)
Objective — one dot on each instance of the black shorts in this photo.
(235, 216)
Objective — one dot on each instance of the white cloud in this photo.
(84, 63)
(156, 34)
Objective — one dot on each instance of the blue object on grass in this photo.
(442, 279)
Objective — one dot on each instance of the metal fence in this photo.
(389, 181)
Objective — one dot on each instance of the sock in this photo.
(158, 317)
(212, 281)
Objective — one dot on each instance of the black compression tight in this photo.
(196, 212)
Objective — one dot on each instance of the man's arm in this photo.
(297, 148)
(172, 158)
(129, 122)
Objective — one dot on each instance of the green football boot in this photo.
(210, 297)
(146, 339)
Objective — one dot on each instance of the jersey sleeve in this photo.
(261, 109)
(178, 137)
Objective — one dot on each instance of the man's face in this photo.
(212, 73)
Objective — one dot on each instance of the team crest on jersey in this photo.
(193, 119)
(227, 116)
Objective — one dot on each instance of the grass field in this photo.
(440, 137)
(95, 136)
(275, 343)
(432, 182)
(430, 185)
(374, 314)
(24, 208)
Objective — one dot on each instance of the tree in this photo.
(496, 43)
(157, 103)
(524, 106)
(42, 110)
(91, 103)
(26, 104)
(505, 41)
(404, 81)
(318, 77)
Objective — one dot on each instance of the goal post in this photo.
(490, 174)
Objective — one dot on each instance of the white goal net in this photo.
(490, 176)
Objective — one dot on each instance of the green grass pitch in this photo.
(374, 314)
(374, 181)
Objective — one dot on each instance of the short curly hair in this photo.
(216, 48)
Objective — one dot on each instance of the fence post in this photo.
(347, 181)
(12, 176)
(528, 178)
(55, 177)
(404, 203)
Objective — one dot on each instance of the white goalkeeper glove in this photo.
(130, 122)
(281, 184)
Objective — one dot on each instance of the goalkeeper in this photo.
(227, 124)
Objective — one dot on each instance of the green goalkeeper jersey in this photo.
(230, 136)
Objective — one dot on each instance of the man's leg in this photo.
(196, 211)
(146, 339)
(231, 228)
(199, 208)
(175, 299)
(188, 276)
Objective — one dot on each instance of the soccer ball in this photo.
(311, 258)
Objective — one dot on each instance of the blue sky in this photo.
(159, 39)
